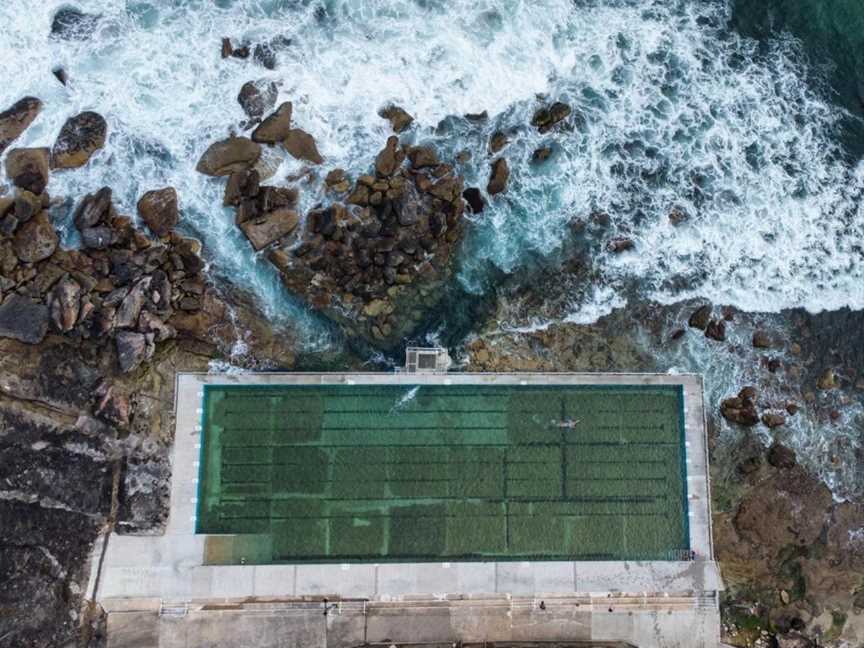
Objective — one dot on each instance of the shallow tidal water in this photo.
(744, 115)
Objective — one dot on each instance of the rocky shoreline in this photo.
(90, 340)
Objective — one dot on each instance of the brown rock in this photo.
(700, 317)
(678, 216)
(497, 142)
(23, 319)
(276, 127)
(761, 340)
(158, 209)
(111, 405)
(15, 119)
(498, 178)
(827, 380)
(716, 330)
(227, 48)
(272, 198)
(228, 156)
(390, 158)
(772, 420)
(360, 196)
(546, 118)
(28, 168)
(541, 154)
(423, 156)
(26, 205)
(620, 244)
(741, 409)
(65, 304)
(301, 145)
(780, 456)
(257, 97)
(241, 184)
(132, 349)
(80, 137)
(35, 240)
(269, 228)
(398, 118)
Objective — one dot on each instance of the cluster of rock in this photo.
(373, 260)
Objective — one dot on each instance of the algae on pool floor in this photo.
(469, 472)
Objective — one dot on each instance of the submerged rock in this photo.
(80, 137)
(15, 119)
(257, 97)
(276, 127)
(301, 145)
(498, 178)
(158, 209)
(228, 156)
(71, 24)
(23, 319)
(28, 168)
(497, 142)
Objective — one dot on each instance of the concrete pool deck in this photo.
(141, 573)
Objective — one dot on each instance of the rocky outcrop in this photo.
(498, 178)
(80, 137)
(257, 98)
(158, 209)
(302, 146)
(15, 120)
(35, 240)
(23, 319)
(546, 118)
(276, 128)
(28, 168)
(228, 156)
(741, 409)
(375, 263)
(399, 118)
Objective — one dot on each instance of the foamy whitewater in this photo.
(671, 110)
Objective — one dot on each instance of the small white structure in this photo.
(426, 360)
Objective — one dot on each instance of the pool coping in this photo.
(171, 566)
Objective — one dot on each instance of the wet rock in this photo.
(272, 198)
(242, 52)
(497, 142)
(93, 209)
(28, 168)
(546, 118)
(276, 128)
(60, 74)
(130, 308)
(399, 119)
(678, 216)
(112, 405)
(227, 48)
(620, 244)
(792, 408)
(228, 156)
(80, 137)
(390, 158)
(271, 227)
(337, 182)
(97, 238)
(301, 145)
(132, 349)
(71, 24)
(828, 380)
(23, 319)
(741, 409)
(64, 304)
(773, 420)
(761, 340)
(498, 178)
(158, 209)
(716, 330)
(422, 157)
(35, 240)
(541, 154)
(241, 184)
(780, 456)
(264, 55)
(15, 119)
(474, 198)
(700, 317)
(257, 97)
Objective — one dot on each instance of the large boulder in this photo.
(547, 117)
(270, 227)
(741, 409)
(71, 24)
(23, 319)
(132, 349)
(36, 239)
(158, 209)
(276, 127)
(228, 156)
(80, 137)
(257, 97)
(301, 145)
(498, 177)
(28, 168)
(15, 119)
(390, 158)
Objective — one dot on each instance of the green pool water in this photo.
(481, 472)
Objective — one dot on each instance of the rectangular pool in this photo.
(345, 473)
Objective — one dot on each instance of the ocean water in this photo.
(741, 114)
